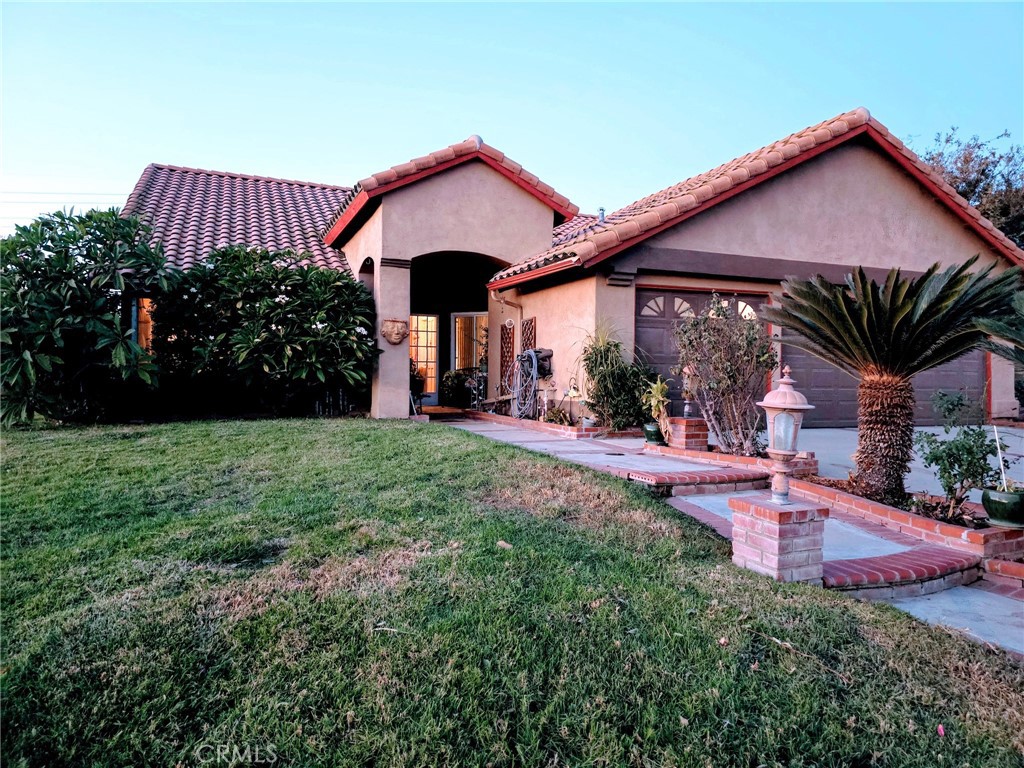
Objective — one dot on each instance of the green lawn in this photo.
(334, 593)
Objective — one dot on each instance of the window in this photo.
(144, 323)
(423, 349)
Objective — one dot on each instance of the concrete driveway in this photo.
(835, 447)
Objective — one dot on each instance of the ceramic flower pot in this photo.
(1004, 507)
(653, 433)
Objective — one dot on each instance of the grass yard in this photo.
(369, 593)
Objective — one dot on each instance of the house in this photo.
(471, 258)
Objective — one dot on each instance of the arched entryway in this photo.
(448, 326)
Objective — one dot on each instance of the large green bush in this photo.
(67, 350)
(256, 330)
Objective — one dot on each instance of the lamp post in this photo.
(785, 409)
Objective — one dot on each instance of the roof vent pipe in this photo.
(600, 215)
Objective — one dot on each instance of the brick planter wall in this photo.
(688, 433)
(561, 430)
(986, 542)
(784, 542)
(1004, 572)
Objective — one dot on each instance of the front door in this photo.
(423, 358)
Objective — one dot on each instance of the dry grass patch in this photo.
(386, 570)
(575, 495)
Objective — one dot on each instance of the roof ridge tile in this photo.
(245, 176)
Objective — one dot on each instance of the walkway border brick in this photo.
(985, 542)
(801, 466)
(558, 430)
(920, 571)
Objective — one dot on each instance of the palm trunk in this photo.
(886, 439)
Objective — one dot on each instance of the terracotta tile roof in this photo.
(473, 148)
(643, 218)
(193, 212)
(569, 230)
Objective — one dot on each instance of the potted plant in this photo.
(656, 402)
(1004, 503)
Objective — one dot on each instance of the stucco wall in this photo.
(850, 206)
(566, 314)
(468, 208)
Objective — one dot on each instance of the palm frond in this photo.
(1009, 328)
(900, 327)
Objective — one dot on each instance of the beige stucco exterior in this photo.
(470, 208)
(850, 206)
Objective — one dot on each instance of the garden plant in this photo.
(884, 335)
(67, 281)
(726, 359)
(614, 388)
(962, 459)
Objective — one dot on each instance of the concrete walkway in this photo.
(980, 614)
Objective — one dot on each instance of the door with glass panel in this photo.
(469, 353)
(469, 340)
(423, 358)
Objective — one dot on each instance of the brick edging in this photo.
(562, 430)
(986, 542)
(800, 466)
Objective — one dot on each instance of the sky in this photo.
(606, 102)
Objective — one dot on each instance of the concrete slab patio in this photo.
(974, 610)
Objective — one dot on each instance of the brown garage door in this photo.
(658, 311)
(832, 392)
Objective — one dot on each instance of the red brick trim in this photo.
(808, 466)
(986, 542)
(917, 564)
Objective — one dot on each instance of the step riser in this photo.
(660, 489)
(912, 589)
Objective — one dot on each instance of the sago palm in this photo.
(885, 335)
(1009, 328)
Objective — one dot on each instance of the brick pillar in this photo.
(688, 433)
(783, 542)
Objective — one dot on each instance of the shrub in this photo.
(255, 329)
(455, 388)
(962, 461)
(614, 387)
(66, 285)
(726, 360)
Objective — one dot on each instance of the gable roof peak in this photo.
(361, 201)
(644, 218)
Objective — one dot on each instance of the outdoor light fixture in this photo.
(785, 411)
(573, 390)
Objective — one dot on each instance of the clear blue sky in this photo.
(606, 102)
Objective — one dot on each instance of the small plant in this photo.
(655, 399)
(962, 460)
(558, 415)
(726, 359)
